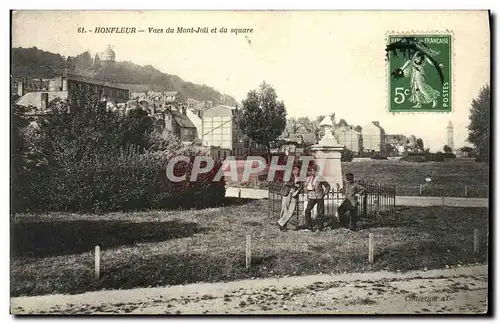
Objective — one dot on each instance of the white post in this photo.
(370, 248)
(421, 189)
(248, 252)
(465, 190)
(97, 261)
(476, 241)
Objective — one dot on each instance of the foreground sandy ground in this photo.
(457, 290)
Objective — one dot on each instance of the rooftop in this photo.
(82, 78)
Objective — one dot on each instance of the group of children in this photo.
(316, 188)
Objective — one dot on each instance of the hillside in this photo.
(35, 63)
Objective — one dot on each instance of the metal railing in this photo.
(375, 207)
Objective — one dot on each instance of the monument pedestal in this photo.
(327, 155)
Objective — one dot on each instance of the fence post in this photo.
(476, 241)
(269, 201)
(442, 200)
(97, 261)
(370, 248)
(465, 190)
(248, 252)
(420, 189)
(239, 193)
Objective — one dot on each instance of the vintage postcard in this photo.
(250, 162)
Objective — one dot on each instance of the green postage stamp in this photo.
(419, 73)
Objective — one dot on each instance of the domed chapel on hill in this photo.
(106, 56)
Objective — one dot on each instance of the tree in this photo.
(479, 127)
(447, 149)
(358, 129)
(293, 125)
(263, 117)
(420, 145)
(468, 151)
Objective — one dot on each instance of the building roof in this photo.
(85, 79)
(218, 111)
(34, 99)
(155, 93)
(348, 129)
(170, 93)
(182, 119)
(376, 123)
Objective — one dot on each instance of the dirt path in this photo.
(458, 290)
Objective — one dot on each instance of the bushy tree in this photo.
(347, 155)
(468, 151)
(420, 145)
(263, 117)
(19, 155)
(447, 149)
(479, 127)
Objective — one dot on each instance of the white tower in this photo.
(449, 135)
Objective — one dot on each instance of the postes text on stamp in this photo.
(419, 73)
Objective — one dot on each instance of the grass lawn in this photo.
(448, 178)
(53, 253)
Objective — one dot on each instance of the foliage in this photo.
(439, 157)
(427, 156)
(479, 127)
(347, 155)
(263, 117)
(420, 145)
(91, 159)
(447, 149)
(468, 151)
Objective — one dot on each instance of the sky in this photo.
(319, 62)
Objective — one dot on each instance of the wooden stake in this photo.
(476, 241)
(248, 252)
(97, 261)
(370, 248)
(239, 193)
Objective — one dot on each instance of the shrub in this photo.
(85, 158)
(439, 157)
(347, 155)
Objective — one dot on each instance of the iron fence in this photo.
(375, 207)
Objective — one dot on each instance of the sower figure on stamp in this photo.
(348, 215)
(317, 188)
(290, 194)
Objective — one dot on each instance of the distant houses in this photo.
(63, 86)
(350, 138)
(373, 137)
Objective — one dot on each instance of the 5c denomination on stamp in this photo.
(419, 73)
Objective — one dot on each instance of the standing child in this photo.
(349, 206)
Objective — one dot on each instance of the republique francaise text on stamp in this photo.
(419, 73)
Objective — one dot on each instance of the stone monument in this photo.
(327, 154)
